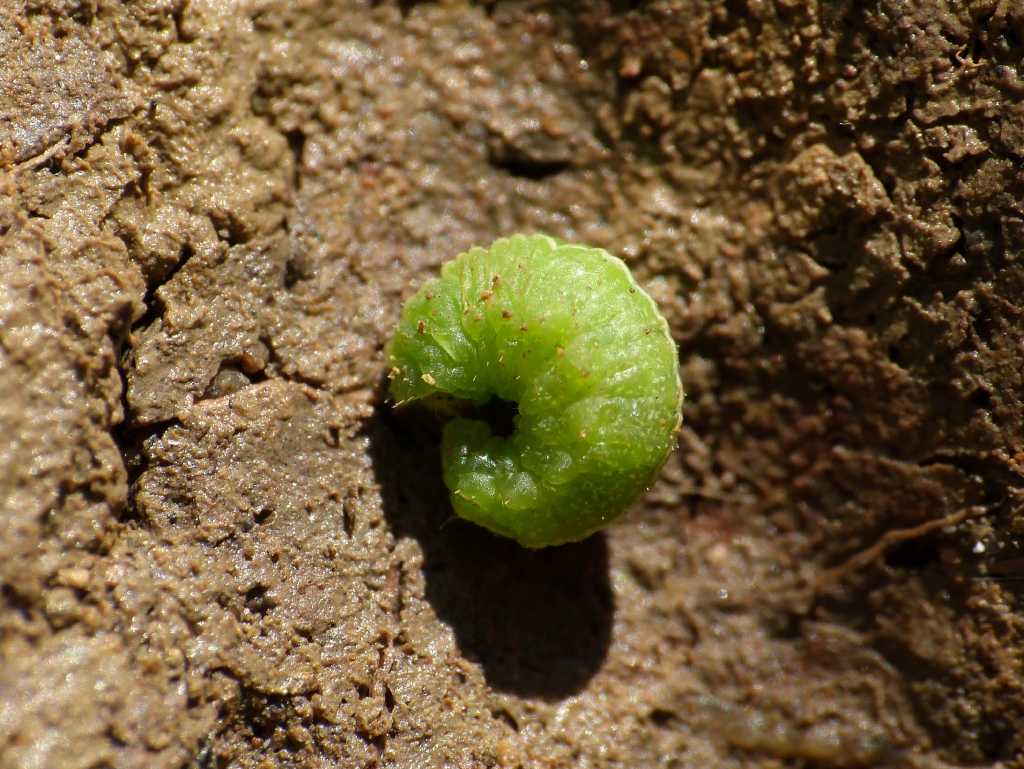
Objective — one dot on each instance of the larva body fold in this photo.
(564, 332)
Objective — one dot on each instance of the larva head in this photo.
(565, 333)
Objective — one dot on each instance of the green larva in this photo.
(565, 333)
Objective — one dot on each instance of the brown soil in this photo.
(218, 546)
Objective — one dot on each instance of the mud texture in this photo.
(220, 548)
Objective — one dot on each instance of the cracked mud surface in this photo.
(219, 548)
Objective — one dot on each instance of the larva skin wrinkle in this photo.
(565, 332)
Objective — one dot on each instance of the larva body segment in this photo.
(564, 332)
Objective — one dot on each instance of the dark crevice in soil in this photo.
(132, 439)
(503, 715)
(153, 304)
(915, 554)
(528, 168)
(296, 144)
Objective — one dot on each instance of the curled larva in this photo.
(563, 332)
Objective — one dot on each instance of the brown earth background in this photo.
(219, 547)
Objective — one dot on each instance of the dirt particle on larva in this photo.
(485, 295)
(506, 314)
(421, 327)
(429, 380)
(647, 332)
(632, 290)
